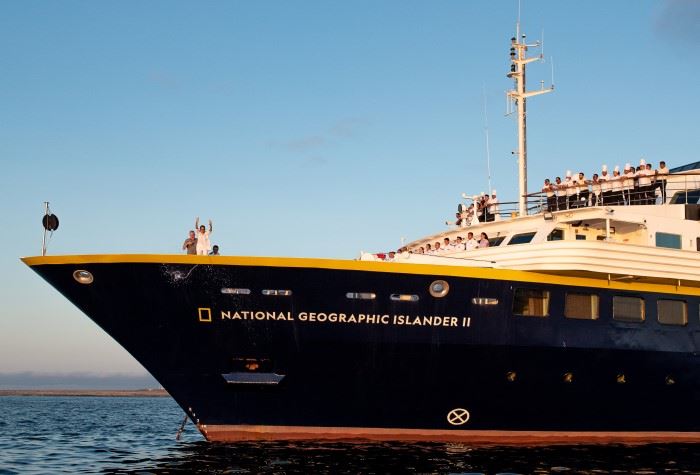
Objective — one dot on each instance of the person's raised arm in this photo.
(196, 224)
(210, 226)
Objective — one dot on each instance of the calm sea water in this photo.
(137, 435)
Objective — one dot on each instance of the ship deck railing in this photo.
(680, 188)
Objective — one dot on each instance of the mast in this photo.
(518, 96)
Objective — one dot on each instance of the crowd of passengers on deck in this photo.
(484, 208)
(439, 248)
(634, 186)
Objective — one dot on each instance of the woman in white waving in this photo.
(203, 243)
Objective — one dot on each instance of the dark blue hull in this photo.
(256, 360)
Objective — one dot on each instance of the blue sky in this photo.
(315, 128)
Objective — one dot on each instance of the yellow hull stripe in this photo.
(569, 278)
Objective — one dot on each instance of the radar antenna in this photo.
(518, 97)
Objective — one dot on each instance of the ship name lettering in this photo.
(343, 318)
(425, 321)
(249, 315)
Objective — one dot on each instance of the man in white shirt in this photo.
(628, 184)
(616, 182)
(644, 179)
(471, 243)
(661, 176)
(583, 193)
(561, 194)
(571, 190)
(493, 207)
(596, 190)
(447, 245)
(548, 190)
(605, 185)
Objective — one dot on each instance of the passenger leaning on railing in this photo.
(596, 190)
(661, 176)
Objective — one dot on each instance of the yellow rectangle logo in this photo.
(204, 314)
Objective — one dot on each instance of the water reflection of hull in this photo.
(279, 362)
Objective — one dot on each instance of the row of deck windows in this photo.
(668, 240)
(585, 306)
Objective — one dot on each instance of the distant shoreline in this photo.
(86, 392)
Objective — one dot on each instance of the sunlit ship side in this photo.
(577, 325)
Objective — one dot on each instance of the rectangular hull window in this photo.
(672, 241)
(531, 302)
(581, 306)
(672, 312)
(628, 309)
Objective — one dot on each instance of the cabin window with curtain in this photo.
(531, 302)
(628, 309)
(522, 238)
(672, 312)
(671, 241)
(581, 306)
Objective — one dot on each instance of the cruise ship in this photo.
(574, 325)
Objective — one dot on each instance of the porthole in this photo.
(361, 295)
(621, 379)
(670, 380)
(511, 376)
(83, 276)
(439, 288)
(233, 291)
(568, 377)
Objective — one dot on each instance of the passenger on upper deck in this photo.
(651, 187)
(596, 191)
(493, 207)
(605, 185)
(486, 206)
(447, 246)
(628, 184)
(548, 189)
(459, 244)
(661, 176)
(484, 241)
(471, 243)
(644, 179)
(571, 190)
(582, 186)
(561, 194)
(616, 182)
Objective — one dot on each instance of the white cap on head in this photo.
(617, 169)
(493, 192)
(568, 173)
(627, 166)
(642, 161)
(605, 168)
